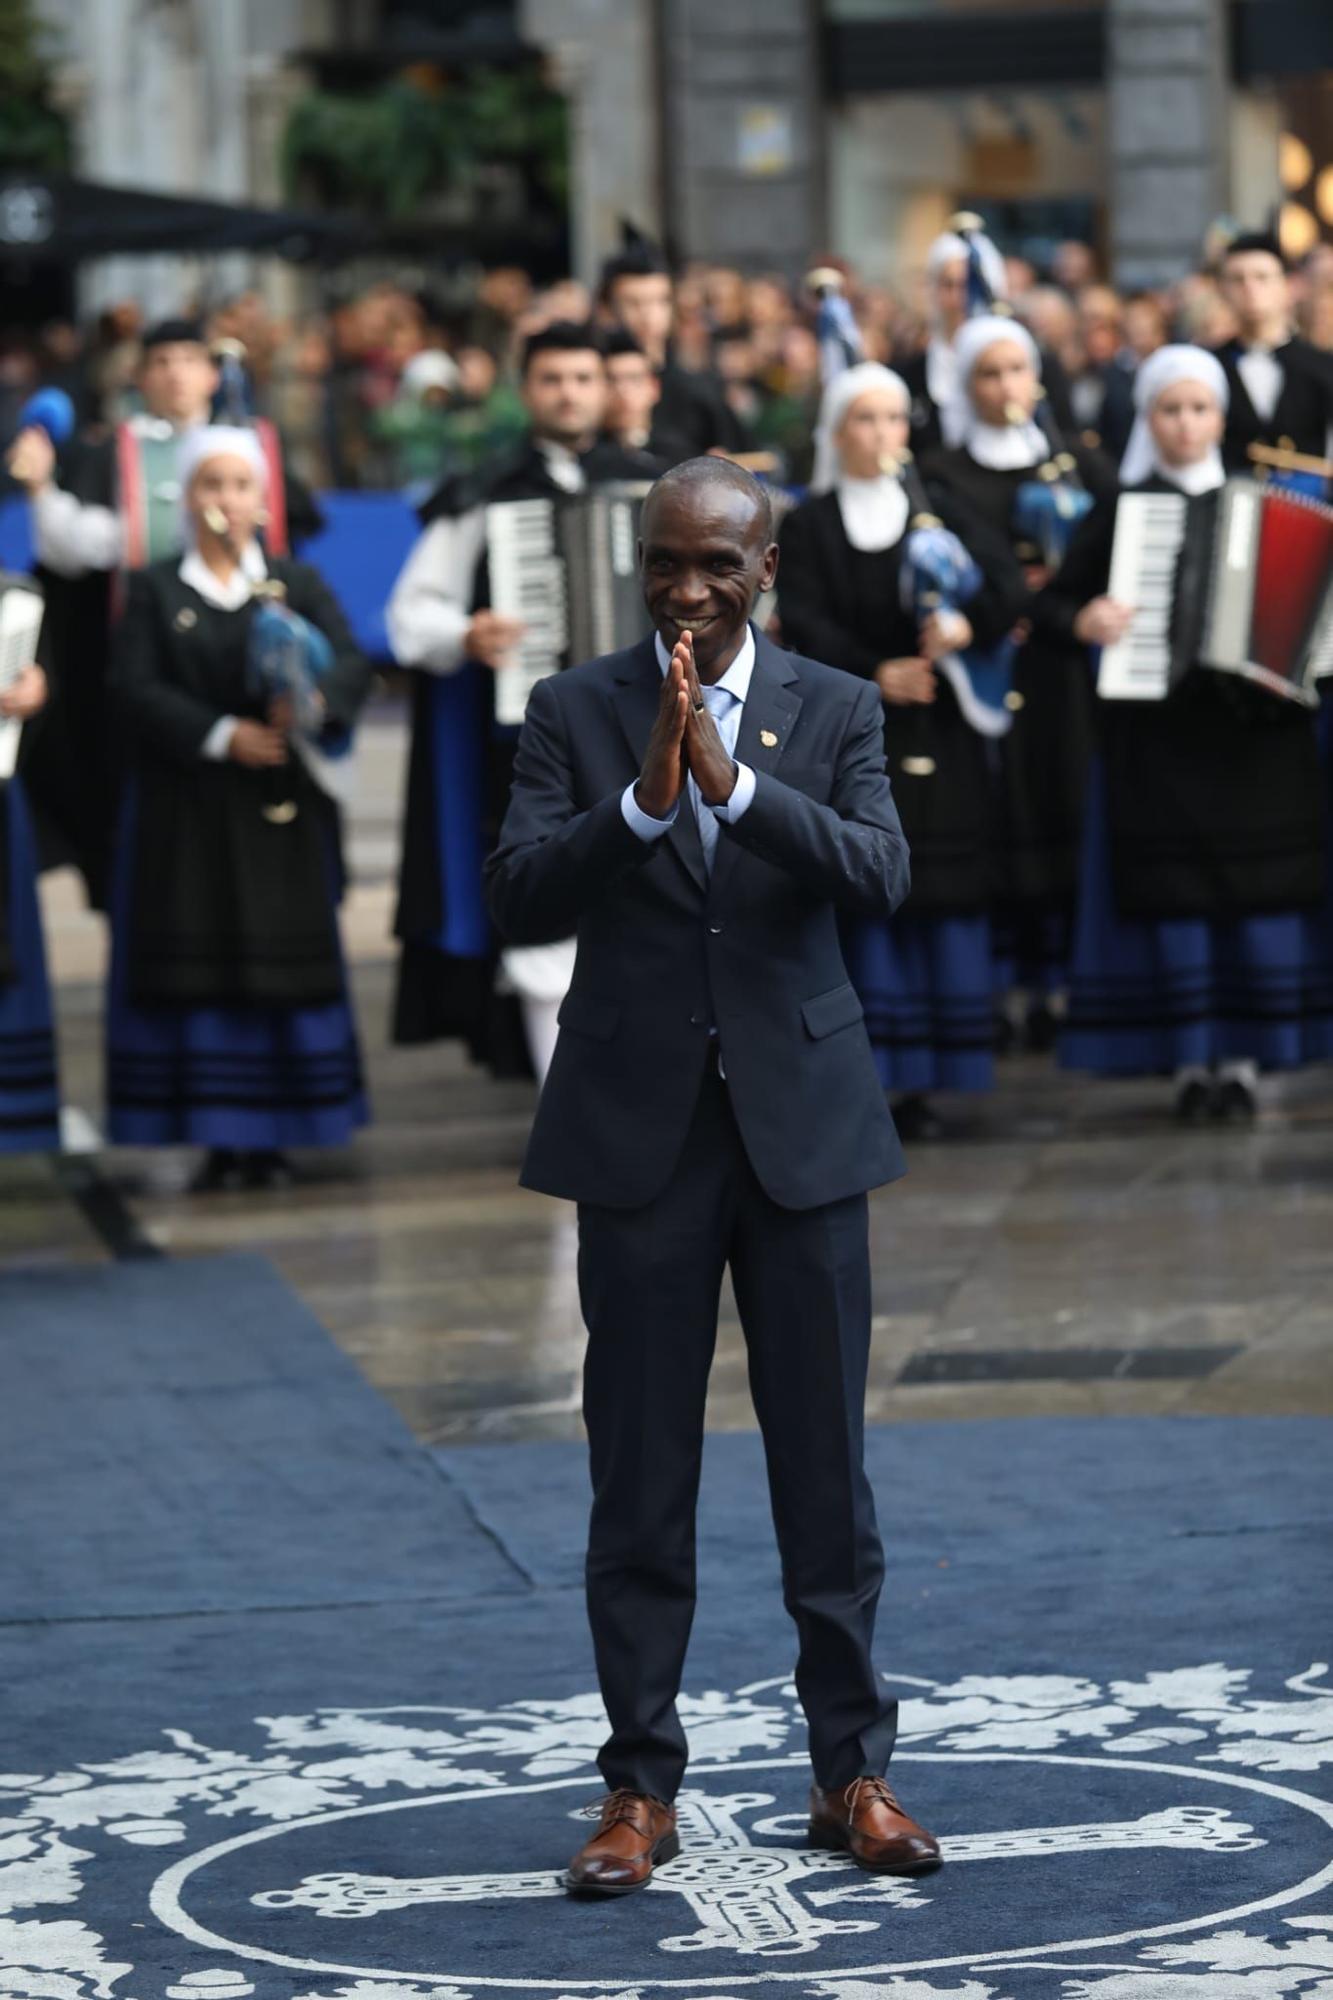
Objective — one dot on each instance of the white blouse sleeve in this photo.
(430, 607)
(72, 536)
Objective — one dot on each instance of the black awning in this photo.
(54, 219)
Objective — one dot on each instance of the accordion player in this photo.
(1240, 582)
(568, 569)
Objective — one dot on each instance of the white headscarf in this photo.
(207, 441)
(1160, 372)
(941, 361)
(1003, 447)
(874, 511)
(837, 399)
(950, 247)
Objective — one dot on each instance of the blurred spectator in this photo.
(1073, 267)
(299, 402)
(633, 390)
(1050, 317)
(18, 379)
(487, 416)
(637, 291)
(1317, 317)
(1203, 316)
(413, 428)
(113, 362)
(724, 298)
(60, 363)
(1147, 327)
(1101, 385)
(735, 360)
(786, 423)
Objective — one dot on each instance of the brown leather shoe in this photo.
(865, 1820)
(635, 1832)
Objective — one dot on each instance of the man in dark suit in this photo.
(1281, 386)
(699, 809)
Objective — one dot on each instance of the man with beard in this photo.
(441, 623)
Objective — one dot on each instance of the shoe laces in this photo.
(875, 1789)
(619, 1808)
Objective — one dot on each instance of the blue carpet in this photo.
(1106, 1634)
(186, 1436)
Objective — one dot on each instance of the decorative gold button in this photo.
(1013, 701)
(186, 619)
(919, 767)
(282, 814)
(768, 739)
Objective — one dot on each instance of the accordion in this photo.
(1245, 587)
(569, 569)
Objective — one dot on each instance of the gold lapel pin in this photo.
(768, 739)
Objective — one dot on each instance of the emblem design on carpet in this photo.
(229, 1914)
(763, 1901)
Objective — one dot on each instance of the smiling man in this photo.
(699, 810)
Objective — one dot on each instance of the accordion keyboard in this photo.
(527, 580)
(1149, 535)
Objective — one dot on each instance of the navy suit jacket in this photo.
(665, 954)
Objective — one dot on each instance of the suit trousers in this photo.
(650, 1281)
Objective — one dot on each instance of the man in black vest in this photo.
(1281, 386)
(440, 621)
(698, 810)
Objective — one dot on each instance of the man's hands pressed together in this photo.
(685, 740)
(710, 762)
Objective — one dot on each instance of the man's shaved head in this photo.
(706, 550)
(709, 475)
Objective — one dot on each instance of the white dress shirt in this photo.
(430, 607)
(735, 686)
(1261, 372)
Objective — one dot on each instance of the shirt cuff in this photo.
(642, 823)
(217, 743)
(742, 796)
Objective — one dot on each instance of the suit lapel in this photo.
(638, 693)
(770, 713)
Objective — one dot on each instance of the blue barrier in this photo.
(359, 552)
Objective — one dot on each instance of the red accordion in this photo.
(1268, 607)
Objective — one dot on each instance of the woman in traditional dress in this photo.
(1005, 460)
(1204, 942)
(29, 1094)
(229, 1021)
(926, 979)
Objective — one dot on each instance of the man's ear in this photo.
(768, 567)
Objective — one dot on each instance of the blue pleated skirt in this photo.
(29, 1092)
(255, 1078)
(458, 726)
(1148, 997)
(926, 984)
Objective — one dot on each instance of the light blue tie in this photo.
(720, 702)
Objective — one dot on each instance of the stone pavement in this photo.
(1068, 1250)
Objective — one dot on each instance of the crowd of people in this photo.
(1146, 882)
(391, 386)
